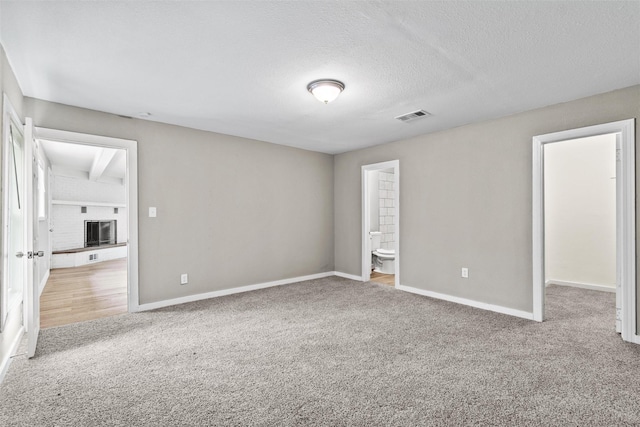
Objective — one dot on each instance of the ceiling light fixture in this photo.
(325, 90)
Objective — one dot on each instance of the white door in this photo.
(32, 294)
(14, 262)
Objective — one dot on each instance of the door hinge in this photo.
(618, 154)
(618, 314)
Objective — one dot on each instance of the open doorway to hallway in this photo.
(86, 226)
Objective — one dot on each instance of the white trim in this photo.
(6, 362)
(366, 251)
(627, 233)
(43, 282)
(471, 303)
(57, 135)
(31, 305)
(75, 203)
(230, 291)
(538, 231)
(131, 185)
(625, 221)
(590, 286)
(348, 276)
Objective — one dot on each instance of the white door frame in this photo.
(131, 186)
(625, 218)
(32, 284)
(366, 208)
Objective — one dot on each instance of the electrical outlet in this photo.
(464, 272)
(184, 279)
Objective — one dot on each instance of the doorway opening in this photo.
(580, 218)
(91, 227)
(381, 223)
(584, 216)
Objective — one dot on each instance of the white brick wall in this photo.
(68, 221)
(68, 224)
(386, 191)
(66, 188)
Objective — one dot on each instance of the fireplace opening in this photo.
(100, 233)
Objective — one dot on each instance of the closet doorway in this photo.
(624, 316)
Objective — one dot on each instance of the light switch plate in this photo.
(152, 212)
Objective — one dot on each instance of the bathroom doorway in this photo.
(381, 223)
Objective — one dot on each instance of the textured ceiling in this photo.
(241, 68)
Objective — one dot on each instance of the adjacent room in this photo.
(86, 202)
(319, 213)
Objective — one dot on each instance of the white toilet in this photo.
(383, 259)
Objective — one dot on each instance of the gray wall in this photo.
(234, 212)
(465, 200)
(231, 211)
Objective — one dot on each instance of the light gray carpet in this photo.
(332, 352)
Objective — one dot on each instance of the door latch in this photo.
(30, 255)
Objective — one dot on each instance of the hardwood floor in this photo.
(84, 293)
(385, 279)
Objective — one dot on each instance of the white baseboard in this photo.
(4, 364)
(348, 276)
(469, 302)
(230, 291)
(590, 286)
(43, 282)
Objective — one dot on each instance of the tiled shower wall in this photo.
(386, 189)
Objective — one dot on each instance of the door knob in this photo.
(39, 253)
(19, 254)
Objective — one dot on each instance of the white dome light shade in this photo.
(325, 90)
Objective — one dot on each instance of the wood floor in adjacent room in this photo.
(385, 279)
(84, 293)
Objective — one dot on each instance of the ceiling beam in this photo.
(100, 162)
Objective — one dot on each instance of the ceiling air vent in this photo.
(414, 115)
